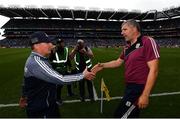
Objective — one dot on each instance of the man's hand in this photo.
(23, 102)
(83, 50)
(152, 76)
(98, 67)
(88, 75)
(143, 101)
(76, 48)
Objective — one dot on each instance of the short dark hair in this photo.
(133, 23)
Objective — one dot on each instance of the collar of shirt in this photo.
(130, 48)
(35, 53)
(138, 41)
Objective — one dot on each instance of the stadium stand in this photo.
(97, 28)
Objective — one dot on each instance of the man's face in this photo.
(81, 45)
(128, 32)
(46, 48)
(61, 44)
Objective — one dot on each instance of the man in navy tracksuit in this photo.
(39, 89)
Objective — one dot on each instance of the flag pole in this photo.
(101, 109)
(94, 92)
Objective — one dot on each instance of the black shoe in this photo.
(59, 102)
(82, 99)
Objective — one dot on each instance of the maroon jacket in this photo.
(136, 57)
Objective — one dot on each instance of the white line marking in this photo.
(113, 98)
(8, 105)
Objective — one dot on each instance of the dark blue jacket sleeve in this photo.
(43, 70)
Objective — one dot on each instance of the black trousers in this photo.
(59, 88)
(131, 95)
(82, 88)
(50, 112)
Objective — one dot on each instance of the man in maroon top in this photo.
(141, 58)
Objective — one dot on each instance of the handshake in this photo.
(91, 75)
(87, 75)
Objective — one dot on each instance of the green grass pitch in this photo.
(11, 75)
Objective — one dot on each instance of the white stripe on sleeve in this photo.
(154, 47)
(37, 59)
(51, 72)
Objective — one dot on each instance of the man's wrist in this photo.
(82, 76)
(145, 95)
(102, 65)
(74, 50)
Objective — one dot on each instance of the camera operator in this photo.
(82, 56)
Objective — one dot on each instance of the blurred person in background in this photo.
(82, 56)
(60, 61)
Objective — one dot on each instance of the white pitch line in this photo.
(113, 98)
(164, 94)
(8, 105)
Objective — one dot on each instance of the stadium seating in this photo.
(95, 33)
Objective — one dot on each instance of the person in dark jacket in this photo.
(40, 80)
(60, 61)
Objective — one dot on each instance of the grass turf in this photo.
(12, 64)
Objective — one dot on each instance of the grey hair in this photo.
(133, 23)
(80, 41)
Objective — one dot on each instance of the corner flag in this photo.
(105, 89)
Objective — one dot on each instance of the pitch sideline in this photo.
(113, 98)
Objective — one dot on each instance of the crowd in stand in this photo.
(23, 43)
(95, 33)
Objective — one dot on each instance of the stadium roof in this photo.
(91, 14)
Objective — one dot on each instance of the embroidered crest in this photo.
(137, 45)
(128, 103)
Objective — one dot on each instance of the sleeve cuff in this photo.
(81, 76)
